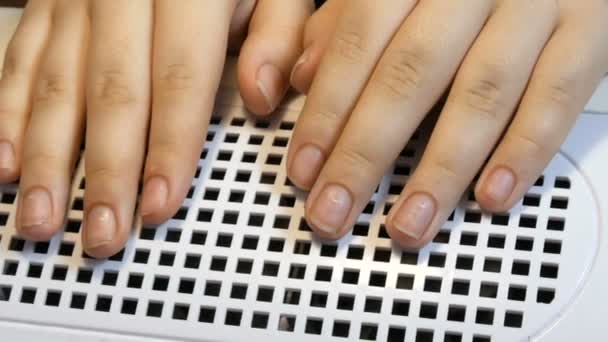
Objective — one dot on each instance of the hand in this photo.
(146, 73)
(518, 73)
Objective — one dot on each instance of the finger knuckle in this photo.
(177, 77)
(401, 73)
(446, 169)
(326, 115)
(34, 160)
(114, 87)
(532, 145)
(104, 173)
(356, 159)
(484, 95)
(51, 88)
(561, 91)
(350, 45)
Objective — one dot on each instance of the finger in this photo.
(118, 99)
(184, 87)
(567, 72)
(317, 35)
(409, 78)
(18, 75)
(272, 46)
(239, 24)
(483, 97)
(362, 33)
(52, 139)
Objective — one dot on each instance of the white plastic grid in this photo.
(238, 261)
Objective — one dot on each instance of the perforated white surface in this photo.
(239, 263)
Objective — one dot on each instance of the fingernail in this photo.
(7, 157)
(306, 165)
(499, 185)
(415, 215)
(100, 226)
(35, 209)
(269, 81)
(331, 208)
(154, 196)
(303, 59)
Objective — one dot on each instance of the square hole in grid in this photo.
(428, 310)
(129, 306)
(233, 317)
(432, 284)
(484, 316)
(53, 297)
(212, 288)
(373, 304)
(180, 311)
(559, 203)
(350, 276)
(10, 267)
(186, 285)
(155, 309)
(286, 323)
(460, 287)
(314, 326)
(340, 329)
(206, 314)
(259, 320)
(400, 307)
(545, 295)
(78, 300)
(488, 289)
(457, 313)
(238, 291)
(5, 292)
(265, 294)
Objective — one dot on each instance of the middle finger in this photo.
(118, 100)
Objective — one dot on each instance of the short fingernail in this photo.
(499, 185)
(269, 81)
(7, 157)
(154, 195)
(331, 208)
(303, 59)
(415, 215)
(35, 209)
(100, 226)
(306, 165)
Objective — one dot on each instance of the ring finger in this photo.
(485, 93)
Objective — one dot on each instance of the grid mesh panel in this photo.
(238, 261)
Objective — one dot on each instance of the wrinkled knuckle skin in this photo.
(350, 45)
(484, 96)
(51, 88)
(113, 88)
(561, 92)
(402, 72)
(178, 77)
(356, 160)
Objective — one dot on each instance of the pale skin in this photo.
(142, 75)
(516, 73)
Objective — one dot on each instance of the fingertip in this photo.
(154, 196)
(261, 82)
(304, 70)
(9, 168)
(495, 191)
(35, 220)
